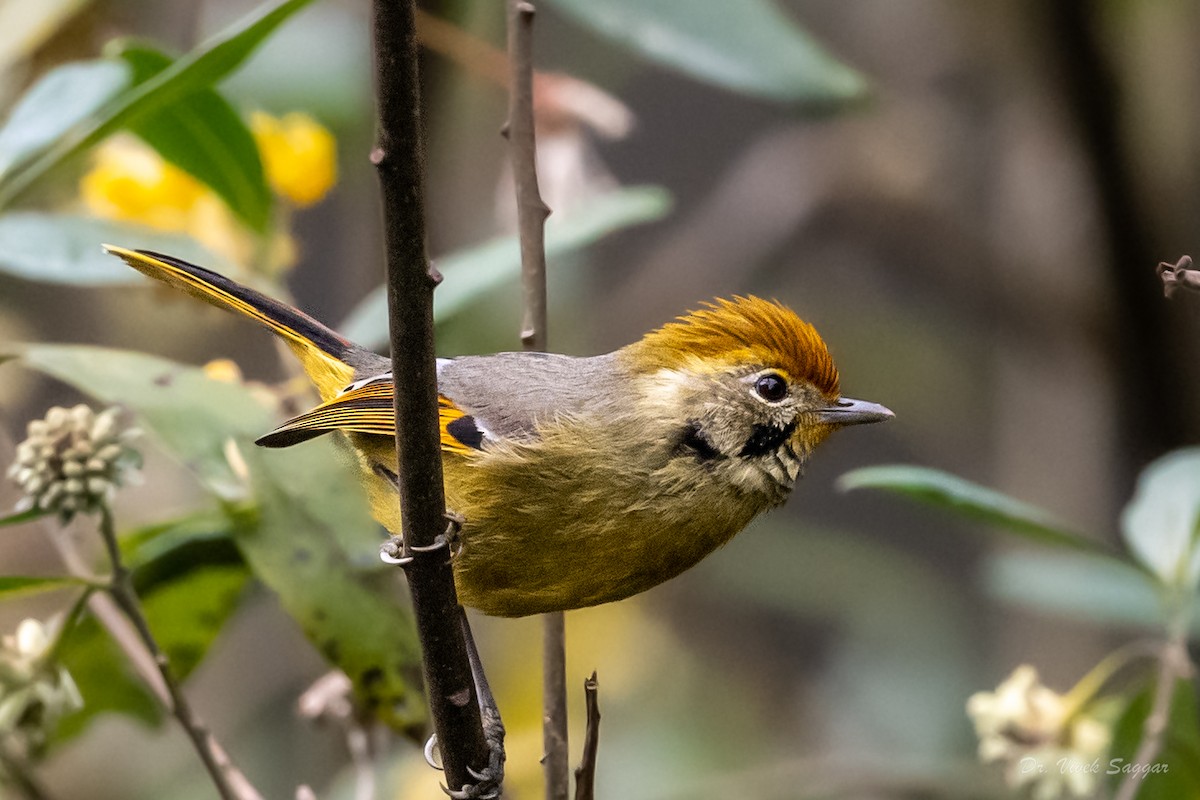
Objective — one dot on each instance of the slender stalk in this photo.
(399, 158)
(1174, 665)
(531, 211)
(531, 219)
(231, 784)
(585, 773)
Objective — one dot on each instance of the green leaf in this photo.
(189, 579)
(156, 552)
(204, 136)
(18, 517)
(187, 613)
(64, 248)
(309, 530)
(970, 500)
(106, 681)
(1174, 774)
(1086, 588)
(63, 98)
(203, 67)
(1162, 521)
(353, 618)
(21, 585)
(749, 46)
(192, 415)
(473, 273)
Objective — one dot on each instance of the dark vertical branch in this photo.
(1153, 415)
(585, 773)
(531, 219)
(399, 157)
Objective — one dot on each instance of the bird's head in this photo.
(750, 389)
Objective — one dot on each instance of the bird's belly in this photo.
(556, 548)
(538, 539)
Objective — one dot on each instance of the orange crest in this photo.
(744, 330)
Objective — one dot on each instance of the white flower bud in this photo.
(71, 461)
(109, 452)
(105, 426)
(82, 416)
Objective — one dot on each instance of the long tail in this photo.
(327, 358)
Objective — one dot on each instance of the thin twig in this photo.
(1174, 665)
(399, 158)
(531, 211)
(556, 755)
(230, 782)
(531, 219)
(585, 773)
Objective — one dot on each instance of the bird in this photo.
(578, 480)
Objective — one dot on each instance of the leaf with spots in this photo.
(299, 518)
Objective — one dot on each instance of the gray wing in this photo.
(509, 394)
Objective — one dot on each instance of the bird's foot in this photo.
(395, 552)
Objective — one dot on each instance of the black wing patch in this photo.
(466, 431)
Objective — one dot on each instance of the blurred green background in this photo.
(975, 239)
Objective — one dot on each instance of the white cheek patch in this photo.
(663, 387)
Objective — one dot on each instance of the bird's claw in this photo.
(394, 552)
(488, 781)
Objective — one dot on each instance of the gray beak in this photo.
(854, 412)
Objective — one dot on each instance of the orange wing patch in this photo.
(368, 409)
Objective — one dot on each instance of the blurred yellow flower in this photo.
(298, 154)
(129, 181)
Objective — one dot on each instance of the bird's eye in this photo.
(771, 387)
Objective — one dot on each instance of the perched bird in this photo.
(581, 480)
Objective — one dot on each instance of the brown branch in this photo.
(585, 773)
(399, 157)
(531, 211)
(531, 219)
(231, 784)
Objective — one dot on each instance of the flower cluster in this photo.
(72, 460)
(35, 690)
(1041, 739)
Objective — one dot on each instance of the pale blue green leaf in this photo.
(970, 500)
(1162, 521)
(474, 273)
(1100, 591)
(750, 46)
(65, 248)
(63, 98)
